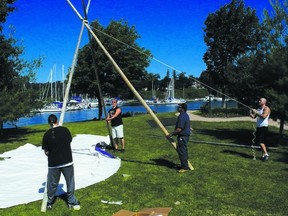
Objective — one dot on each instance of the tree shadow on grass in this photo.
(165, 163)
(11, 135)
(238, 136)
(244, 155)
(156, 162)
(283, 158)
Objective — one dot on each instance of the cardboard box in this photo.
(154, 212)
(145, 212)
(123, 212)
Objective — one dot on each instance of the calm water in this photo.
(89, 114)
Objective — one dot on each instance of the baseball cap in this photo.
(52, 119)
(183, 106)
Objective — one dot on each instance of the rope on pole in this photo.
(253, 143)
(127, 81)
(173, 68)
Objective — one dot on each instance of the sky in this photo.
(171, 29)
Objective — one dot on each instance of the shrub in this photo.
(222, 112)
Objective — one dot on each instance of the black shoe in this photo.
(265, 157)
(49, 206)
(115, 150)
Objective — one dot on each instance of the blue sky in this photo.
(171, 29)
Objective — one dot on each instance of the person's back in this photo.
(57, 142)
(56, 145)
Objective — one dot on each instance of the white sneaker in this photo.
(75, 206)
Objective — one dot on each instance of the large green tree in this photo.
(275, 72)
(120, 40)
(277, 68)
(231, 33)
(17, 97)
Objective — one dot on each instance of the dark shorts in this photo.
(261, 134)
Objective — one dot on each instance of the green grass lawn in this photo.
(226, 180)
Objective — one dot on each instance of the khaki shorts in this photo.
(117, 132)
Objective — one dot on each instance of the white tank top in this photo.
(262, 122)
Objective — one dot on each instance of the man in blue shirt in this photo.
(182, 130)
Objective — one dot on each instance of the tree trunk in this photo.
(282, 121)
(100, 108)
(1, 128)
(224, 104)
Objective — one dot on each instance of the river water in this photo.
(89, 114)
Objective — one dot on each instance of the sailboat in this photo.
(154, 100)
(52, 106)
(170, 99)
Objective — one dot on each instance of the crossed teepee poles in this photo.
(118, 69)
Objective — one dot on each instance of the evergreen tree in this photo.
(17, 97)
(275, 73)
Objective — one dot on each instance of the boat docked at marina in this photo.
(170, 98)
(55, 106)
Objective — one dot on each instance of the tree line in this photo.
(246, 58)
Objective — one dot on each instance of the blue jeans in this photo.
(53, 181)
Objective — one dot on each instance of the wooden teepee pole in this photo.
(128, 82)
(102, 104)
(61, 120)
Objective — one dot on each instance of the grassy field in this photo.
(226, 180)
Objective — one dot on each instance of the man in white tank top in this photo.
(262, 114)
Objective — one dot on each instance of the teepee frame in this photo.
(155, 118)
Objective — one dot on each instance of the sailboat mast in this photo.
(55, 85)
(51, 84)
(172, 88)
(152, 89)
(63, 86)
